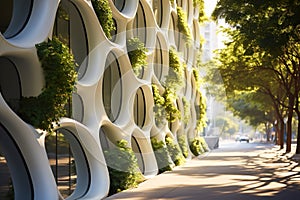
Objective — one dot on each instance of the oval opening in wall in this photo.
(14, 15)
(112, 87)
(139, 109)
(68, 163)
(69, 27)
(10, 84)
(15, 176)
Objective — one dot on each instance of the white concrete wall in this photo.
(153, 21)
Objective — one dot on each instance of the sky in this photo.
(209, 6)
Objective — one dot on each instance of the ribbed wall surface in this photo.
(111, 103)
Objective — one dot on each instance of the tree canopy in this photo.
(260, 65)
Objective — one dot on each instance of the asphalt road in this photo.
(235, 171)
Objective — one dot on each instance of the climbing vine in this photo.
(196, 147)
(137, 53)
(104, 14)
(123, 167)
(60, 76)
(183, 26)
(186, 110)
(161, 154)
(175, 151)
(165, 104)
(158, 108)
(183, 145)
(200, 4)
(200, 106)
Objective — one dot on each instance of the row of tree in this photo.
(260, 65)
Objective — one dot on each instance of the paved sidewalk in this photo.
(234, 171)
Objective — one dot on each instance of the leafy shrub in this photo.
(60, 76)
(174, 151)
(200, 4)
(123, 168)
(201, 113)
(158, 108)
(175, 78)
(172, 112)
(104, 14)
(186, 110)
(137, 53)
(204, 144)
(196, 147)
(183, 26)
(161, 155)
(183, 145)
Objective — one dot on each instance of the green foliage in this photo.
(104, 14)
(203, 144)
(123, 168)
(175, 152)
(137, 53)
(186, 110)
(175, 78)
(60, 77)
(197, 79)
(158, 108)
(196, 146)
(183, 26)
(200, 4)
(183, 145)
(161, 155)
(171, 111)
(201, 113)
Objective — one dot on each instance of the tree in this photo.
(270, 29)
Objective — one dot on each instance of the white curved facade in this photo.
(111, 103)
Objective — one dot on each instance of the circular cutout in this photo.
(112, 87)
(69, 27)
(14, 15)
(68, 163)
(21, 179)
(10, 84)
(139, 108)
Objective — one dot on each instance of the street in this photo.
(234, 171)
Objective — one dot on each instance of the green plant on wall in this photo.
(200, 106)
(171, 111)
(161, 155)
(183, 145)
(197, 79)
(200, 4)
(183, 25)
(175, 78)
(196, 147)
(60, 76)
(175, 152)
(201, 113)
(159, 111)
(186, 110)
(104, 14)
(137, 53)
(123, 167)
(204, 144)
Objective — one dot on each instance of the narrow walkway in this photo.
(234, 171)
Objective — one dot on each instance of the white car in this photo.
(244, 138)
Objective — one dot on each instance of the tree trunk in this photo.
(298, 130)
(276, 125)
(281, 133)
(289, 131)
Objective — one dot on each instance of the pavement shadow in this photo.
(265, 174)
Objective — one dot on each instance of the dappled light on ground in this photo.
(248, 171)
